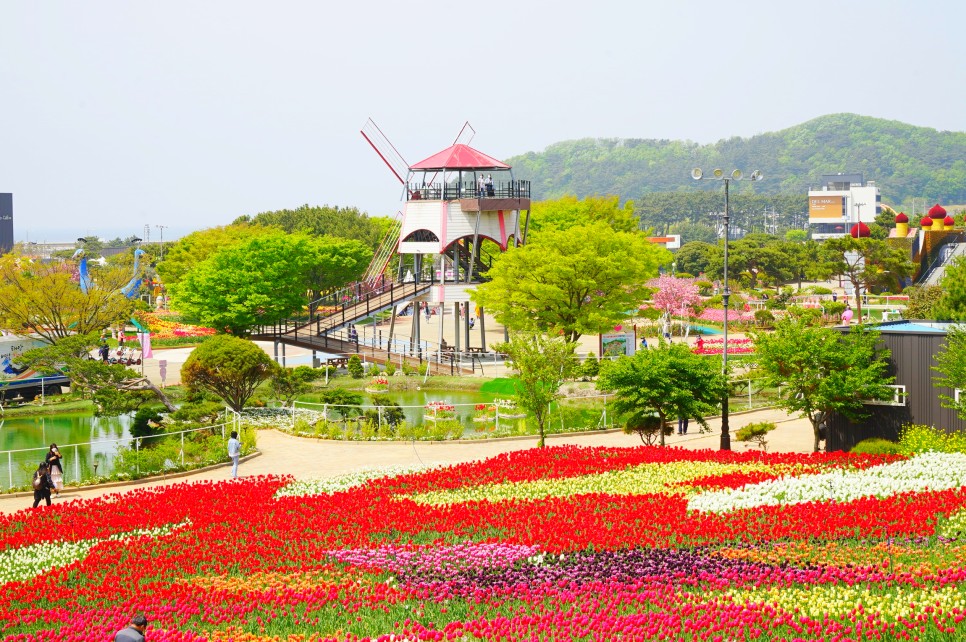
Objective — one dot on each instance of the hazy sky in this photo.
(117, 115)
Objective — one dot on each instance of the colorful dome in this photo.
(937, 211)
(902, 218)
(926, 222)
(860, 230)
(949, 221)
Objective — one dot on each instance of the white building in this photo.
(843, 201)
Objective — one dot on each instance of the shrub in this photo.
(356, 371)
(877, 446)
(390, 369)
(407, 369)
(141, 425)
(704, 287)
(756, 432)
(647, 428)
(917, 438)
(590, 368)
(764, 318)
(423, 368)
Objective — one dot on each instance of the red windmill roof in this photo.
(902, 218)
(937, 211)
(459, 157)
(926, 222)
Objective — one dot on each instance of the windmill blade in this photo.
(387, 152)
(465, 137)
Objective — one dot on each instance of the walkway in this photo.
(305, 458)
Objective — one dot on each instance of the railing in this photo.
(90, 455)
(452, 192)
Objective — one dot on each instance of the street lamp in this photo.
(161, 228)
(719, 175)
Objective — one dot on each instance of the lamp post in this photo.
(719, 175)
(161, 228)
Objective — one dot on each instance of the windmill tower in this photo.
(454, 200)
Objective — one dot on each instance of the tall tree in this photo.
(263, 279)
(569, 211)
(822, 371)
(229, 367)
(951, 305)
(45, 299)
(541, 365)
(674, 297)
(576, 281)
(341, 222)
(867, 263)
(669, 380)
(190, 251)
(951, 366)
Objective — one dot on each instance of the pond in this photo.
(88, 443)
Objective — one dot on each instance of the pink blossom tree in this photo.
(674, 297)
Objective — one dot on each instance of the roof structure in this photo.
(459, 157)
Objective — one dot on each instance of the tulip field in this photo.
(561, 543)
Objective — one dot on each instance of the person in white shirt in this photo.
(234, 451)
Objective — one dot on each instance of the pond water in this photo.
(83, 439)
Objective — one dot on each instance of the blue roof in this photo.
(933, 327)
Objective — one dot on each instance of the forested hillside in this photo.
(905, 161)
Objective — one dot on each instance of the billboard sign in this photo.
(826, 208)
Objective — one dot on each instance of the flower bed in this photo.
(560, 543)
(378, 384)
(716, 346)
(437, 410)
(163, 327)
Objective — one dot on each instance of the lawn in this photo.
(562, 543)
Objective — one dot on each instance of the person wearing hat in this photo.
(133, 632)
(42, 484)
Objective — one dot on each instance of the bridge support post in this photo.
(456, 323)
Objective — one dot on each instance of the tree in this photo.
(114, 388)
(923, 300)
(576, 281)
(951, 305)
(670, 381)
(674, 296)
(331, 221)
(867, 263)
(822, 371)
(541, 365)
(569, 211)
(46, 300)
(190, 251)
(261, 280)
(289, 383)
(951, 366)
(695, 257)
(229, 367)
(796, 236)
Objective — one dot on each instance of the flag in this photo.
(145, 339)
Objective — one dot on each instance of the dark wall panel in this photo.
(6, 223)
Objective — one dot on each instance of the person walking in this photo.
(55, 468)
(133, 632)
(42, 484)
(682, 425)
(234, 451)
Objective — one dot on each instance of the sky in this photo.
(182, 115)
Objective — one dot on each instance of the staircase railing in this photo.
(385, 251)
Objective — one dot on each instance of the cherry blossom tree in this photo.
(674, 297)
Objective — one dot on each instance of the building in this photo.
(843, 201)
(6, 223)
(913, 346)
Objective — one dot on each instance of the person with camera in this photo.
(55, 468)
(42, 484)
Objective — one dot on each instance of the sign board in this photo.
(617, 344)
(826, 208)
(163, 369)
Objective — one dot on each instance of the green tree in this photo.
(923, 300)
(951, 366)
(668, 380)
(796, 236)
(822, 371)
(695, 257)
(260, 280)
(228, 367)
(189, 251)
(288, 384)
(576, 281)
(951, 305)
(542, 365)
(569, 211)
(867, 263)
(45, 299)
(341, 222)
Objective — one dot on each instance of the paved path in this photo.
(307, 458)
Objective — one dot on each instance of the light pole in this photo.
(719, 175)
(161, 228)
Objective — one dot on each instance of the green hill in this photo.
(905, 161)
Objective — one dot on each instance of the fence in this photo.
(82, 461)
(483, 419)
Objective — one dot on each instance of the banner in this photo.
(826, 208)
(145, 339)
